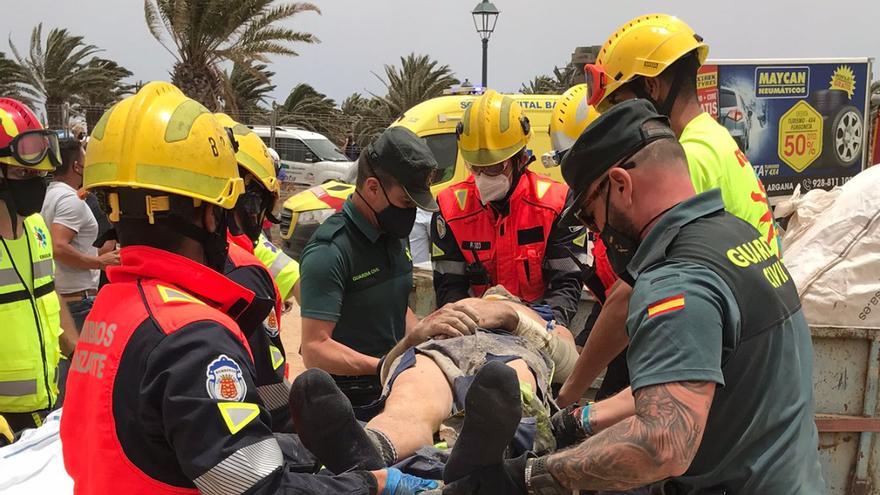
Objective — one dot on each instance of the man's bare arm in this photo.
(70, 334)
(658, 442)
(607, 340)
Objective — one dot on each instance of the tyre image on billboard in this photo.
(799, 123)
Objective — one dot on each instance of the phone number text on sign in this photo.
(800, 136)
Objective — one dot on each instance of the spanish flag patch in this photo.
(667, 305)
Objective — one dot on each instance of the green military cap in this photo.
(614, 136)
(406, 157)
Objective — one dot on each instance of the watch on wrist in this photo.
(539, 481)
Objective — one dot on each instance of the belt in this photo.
(82, 294)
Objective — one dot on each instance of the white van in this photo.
(307, 158)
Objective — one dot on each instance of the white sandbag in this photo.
(832, 249)
(34, 464)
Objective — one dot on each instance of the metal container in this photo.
(846, 385)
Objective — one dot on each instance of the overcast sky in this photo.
(359, 36)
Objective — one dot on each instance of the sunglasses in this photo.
(581, 214)
(30, 148)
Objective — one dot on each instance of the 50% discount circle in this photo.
(800, 136)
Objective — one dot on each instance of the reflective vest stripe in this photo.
(278, 265)
(30, 352)
(43, 268)
(24, 294)
(18, 388)
(450, 267)
(8, 277)
(565, 264)
(275, 395)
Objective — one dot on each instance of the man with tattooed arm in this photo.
(720, 355)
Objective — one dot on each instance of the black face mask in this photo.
(25, 197)
(249, 211)
(395, 221)
(215, 244)
(619, 247)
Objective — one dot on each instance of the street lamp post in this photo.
(485, 16)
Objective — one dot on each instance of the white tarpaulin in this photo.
(832, 249)
(34, 463)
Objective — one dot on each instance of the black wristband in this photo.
(379, 366)
(539, 481)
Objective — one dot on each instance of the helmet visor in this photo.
(30, 148)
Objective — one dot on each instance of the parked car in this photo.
(307, 158)
(734, 115)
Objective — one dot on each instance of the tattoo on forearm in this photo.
(659, 441)
(591, 419)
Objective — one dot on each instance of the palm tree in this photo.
(364, 118)
(12, 82)
(97, 98)
(417, 79)
(249, 87)
(540, 85)
(204, 33)
(60, 72)
(562, 79)
(307, 108)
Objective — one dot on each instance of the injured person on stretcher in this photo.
(493, 347)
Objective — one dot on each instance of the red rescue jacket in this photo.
(153, 292)
(511, 247)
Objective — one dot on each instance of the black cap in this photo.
(407, 158)
(618, 133)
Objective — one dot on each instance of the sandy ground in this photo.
(290, 337)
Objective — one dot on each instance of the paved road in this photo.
(290, 336)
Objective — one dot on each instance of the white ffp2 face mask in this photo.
(492, 188)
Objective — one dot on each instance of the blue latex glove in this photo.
(399, 483)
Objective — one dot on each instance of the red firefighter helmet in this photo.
(23, 140)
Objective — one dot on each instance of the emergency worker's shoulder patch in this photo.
(541, 187)
(237, 415)
(224, 380)
(271, 324)
(461, 198)
(666, 305)
(441, 226)
(170, 295)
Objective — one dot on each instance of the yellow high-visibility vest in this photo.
(30, 351)
(284, 269)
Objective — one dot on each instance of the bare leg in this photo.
(523, 373)
(419, 401)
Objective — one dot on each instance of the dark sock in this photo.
(323, 418)
(383, 444)
(492, 413)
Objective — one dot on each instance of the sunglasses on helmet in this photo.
(30, 148)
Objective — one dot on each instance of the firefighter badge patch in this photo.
(441, 227)
(271, 324)
(225, 380)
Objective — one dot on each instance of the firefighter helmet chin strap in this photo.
(214, 244)
(6, 195)
(175, 213)
(664, 107)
